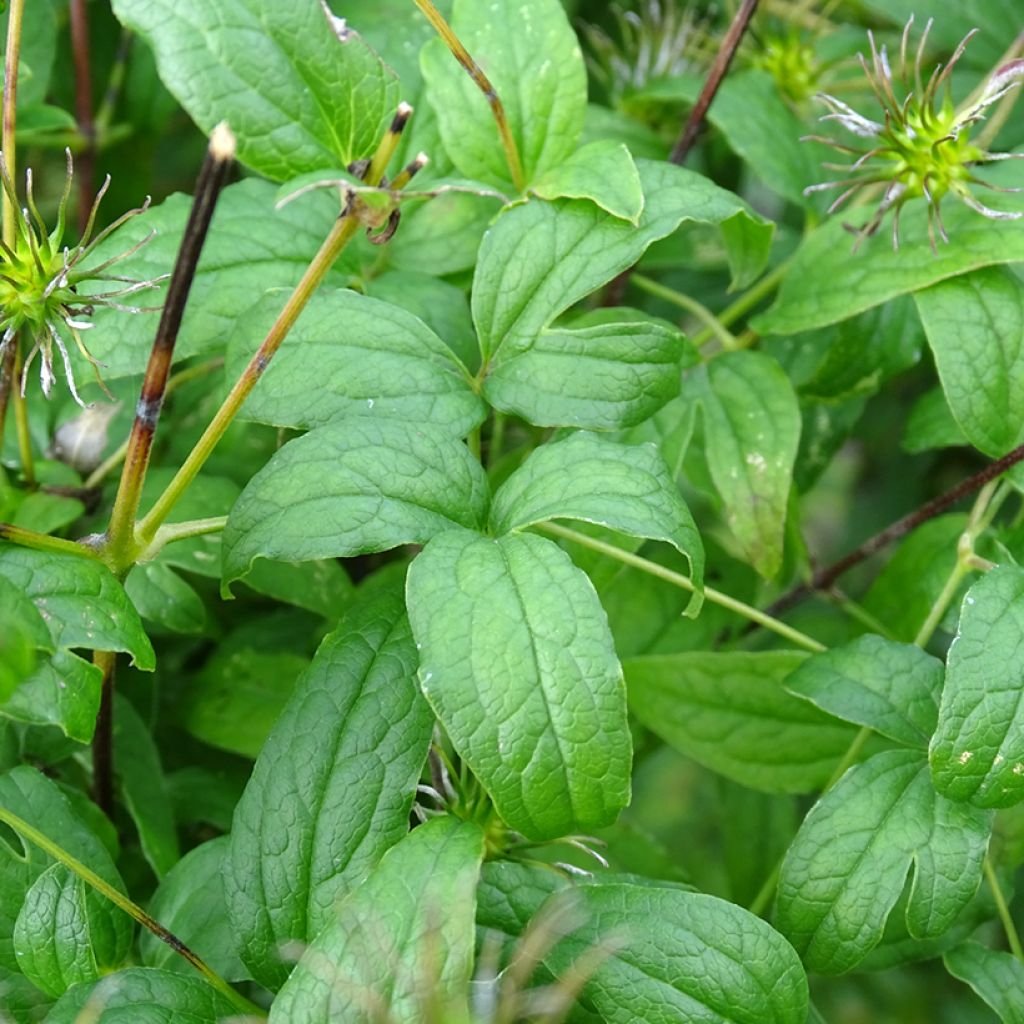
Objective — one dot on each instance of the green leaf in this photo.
(997, 977)
(677, 956)
(350, 355)
(876, 273)
(975, 323)
(977, 752)
(889, 687)
(164, 599)
(298, 95)
(355, 486)
(847, 866)
(190, 903)
(752, 432)
(731, 713)
(400, 942)
(519, 665)
(63, 691)
(624, 487)
(342, 761)
(84, 604)
(612, 368)
(533, 60)
(237, 264)
(23, 632)
(39, 801)
(321, 587)
(603, 172)
(931, 425)
(539, 259)
(144, 995)
(144, 788)
(68, 933)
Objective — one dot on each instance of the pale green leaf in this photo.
(730, 712)
(624, 487)
(610, 368)
(352, 355)
(518, 663)
(530, 53)
(163, 599)
(402, 940)
(342, 762)
(977, 752)
(997, 977)
(355, 486)
(975, 327)
(752, 432)
(890, 687)
(296, 95)
(604, 173)
(847, 866)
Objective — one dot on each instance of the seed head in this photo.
(921, 147)
(39, 279)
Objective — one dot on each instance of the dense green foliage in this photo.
(444, 676)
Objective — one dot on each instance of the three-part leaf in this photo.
(518, 663)
(848, 864)
(402, 943)
(355, 486)
(335, 779)
(977, 752)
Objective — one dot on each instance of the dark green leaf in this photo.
(63, 691)
(355, 486)
(890, 687)
(164, 599)
(401, 941)
(342, 762)
(977, 752)
(996, 976)
(518, 663)
(731, 713)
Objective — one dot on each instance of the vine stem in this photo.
(714, 328)
(685, 583)
(133, 910)
(86, 169)
(483, 83)
(1012, 937)
(103, 736)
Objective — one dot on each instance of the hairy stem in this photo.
(483, 83)
(122, 902)
(685, 583)
(120, 539)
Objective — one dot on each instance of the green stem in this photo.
(750, 298)
(494, 442)
(13, 56)
(122, 902)
(712, 323)
(685, 583)
(43, 542)
(170, 532)
(1003, 910)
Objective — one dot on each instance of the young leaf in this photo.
(190, 903)
(975, 326)
(85, 605)
(299, 94)
(144, 994)
(997, 977)
(355, 486)
(401, 945)
(517, 661)
(611, 368)
(68, 933)
(846, 868)
(603, 172)
(678, 955)
(624, 487)
(877, 273)
(349, 355)
(237, 264)
(533, 60)
(342, 762)
(977, 752)
(731, 713)
(752, 432)
(889, 687)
